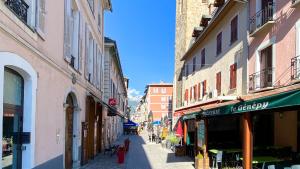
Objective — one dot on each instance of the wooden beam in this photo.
(247, 141)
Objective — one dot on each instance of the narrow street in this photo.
(142, 155)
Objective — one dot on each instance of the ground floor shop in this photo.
(255, 132)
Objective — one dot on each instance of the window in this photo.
(90, 58)
(218, 83)
(163, 90)
(219, 43)
(204, 88)
(163, 106)
(203, 57)
(163, 99)
(233, 76)
(155, 90)
(72, 35)
(194, 64)
(186, 70)
(234, 29)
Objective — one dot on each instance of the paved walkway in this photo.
(142, 155)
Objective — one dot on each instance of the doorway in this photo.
(70, 136)
(12, 120)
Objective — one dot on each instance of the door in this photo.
(12, 120)
(266, 68)
(69, 138)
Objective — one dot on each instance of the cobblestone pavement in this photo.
(142, 155)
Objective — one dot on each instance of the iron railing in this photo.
(262, 79)
(19, 7)
(295, 68)
(262, 17)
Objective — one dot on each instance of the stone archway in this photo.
(29, 75)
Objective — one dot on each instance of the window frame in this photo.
(233, 76)
(219, 43)
(234, 30)
(203, 57)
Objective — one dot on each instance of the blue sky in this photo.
(145, 32)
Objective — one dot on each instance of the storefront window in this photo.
(13, 86)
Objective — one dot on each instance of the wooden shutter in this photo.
(218, 82)
(234, 75)
(67, 32)
(195, 92)
(234, 27)
(199, 90)
(204, 88)
(191, 93)
(80, 49)
(40, 22)
(86, 65)
(186, 95)
(219, 43)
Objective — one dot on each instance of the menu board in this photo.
(201, 134)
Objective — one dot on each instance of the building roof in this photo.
(108, 5)
(112, 43)
(216, 18)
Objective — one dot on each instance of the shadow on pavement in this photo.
(136, 158)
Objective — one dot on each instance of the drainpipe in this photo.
(247, 141)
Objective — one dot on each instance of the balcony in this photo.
(205, 19)
(261, 80)
(295, 68)
(295, 3)
(262, 20)
(19, 7)
(197, 31)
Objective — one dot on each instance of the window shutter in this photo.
(195, 92)
(67, 35)
(86, 65)
(80, 49)
(191, 93)
(231, 78)
(199, 90)
(204, 87)
(40, 23)
(234, 75)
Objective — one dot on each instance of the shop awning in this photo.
(130, 124)
(281, 100)
(190, 116)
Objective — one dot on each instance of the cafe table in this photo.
(264, 159)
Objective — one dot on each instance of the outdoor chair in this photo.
(217, 161)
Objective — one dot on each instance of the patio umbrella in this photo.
(179, 131)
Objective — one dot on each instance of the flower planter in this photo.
(201, 163)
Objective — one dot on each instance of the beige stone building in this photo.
(187, 18)
(51, 81)
(115, 88)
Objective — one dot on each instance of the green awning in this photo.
(281, 100)
(190, 116)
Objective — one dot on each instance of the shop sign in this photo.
(112, 101)
(201, 134)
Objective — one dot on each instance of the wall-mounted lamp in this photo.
(281, 115)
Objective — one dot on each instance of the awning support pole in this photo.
(184, 132)
(247, 141)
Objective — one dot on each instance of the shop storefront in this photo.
(253, 131)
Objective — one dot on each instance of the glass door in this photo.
(12, 120)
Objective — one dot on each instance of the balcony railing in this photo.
(262, 17)
(262, 79)
(19, 7)
(295, 68)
